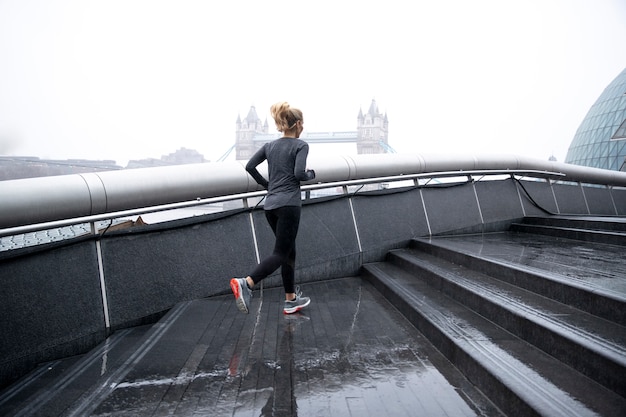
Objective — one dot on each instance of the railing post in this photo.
(582, 190)
(103, 289)
(519, 195)
(613, 200)
(253, 228)
(480, 211)
(556, 201)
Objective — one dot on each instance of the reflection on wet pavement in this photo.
(593, 264)
(349, 354)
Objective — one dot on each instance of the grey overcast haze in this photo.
(134, 79)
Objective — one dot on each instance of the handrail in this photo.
(124, 213)
(443, 174)
(48, 199)
(310, 187)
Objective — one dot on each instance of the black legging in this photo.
(284, 222)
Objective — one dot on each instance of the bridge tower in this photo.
(246, 130)
(372, 131)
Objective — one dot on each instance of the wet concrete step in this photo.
(584, 276)
(606, 223)
(591, 229)
(517, 376)
(594, 346)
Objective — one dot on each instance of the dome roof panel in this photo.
(591, 144)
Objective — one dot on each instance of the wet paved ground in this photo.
(349, 354)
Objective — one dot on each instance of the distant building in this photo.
(184, 156)
(371, 136)
(18, 167)
(180, 157)
(600, 140)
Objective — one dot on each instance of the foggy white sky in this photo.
(133, 79)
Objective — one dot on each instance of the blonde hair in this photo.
(285, 116)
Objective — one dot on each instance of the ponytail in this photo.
(285, 116)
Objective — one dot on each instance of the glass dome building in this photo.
(600, 140)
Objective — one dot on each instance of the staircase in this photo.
(532, 317)
(590, 229)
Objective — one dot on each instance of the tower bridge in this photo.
(371, 135)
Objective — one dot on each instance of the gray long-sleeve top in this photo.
(286, 160)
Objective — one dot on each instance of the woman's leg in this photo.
(284, 222)
(288, 273)
(288, 266)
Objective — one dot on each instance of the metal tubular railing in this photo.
(255, 194)
(38, 203)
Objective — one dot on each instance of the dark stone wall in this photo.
(150, 269)
(51, 303)
(377, 215)
(499, 201)
(452, 208)
(570, 199)
(50, 307)
(599, 201)
(619, 199)
(537, 198)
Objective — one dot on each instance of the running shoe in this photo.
(242, 292)
(296, 304)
